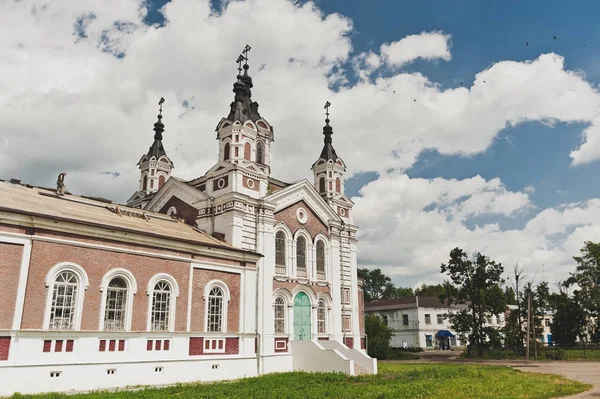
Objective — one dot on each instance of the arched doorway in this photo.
(302, 310)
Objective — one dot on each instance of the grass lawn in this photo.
(395, 380)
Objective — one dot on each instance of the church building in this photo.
(232, 274)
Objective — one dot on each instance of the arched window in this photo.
(247, 151)
(161, 306)
(63, 309)
(320, 260)
(115, 311)
(280, 267)
(279, 309)
(215, 310)
(260, 150)
(226, 153)
(322, 185)
(322, 317)
(301, 256)
(161, 181)
(338, 185)
(145, 184)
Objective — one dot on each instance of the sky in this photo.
(455, 132)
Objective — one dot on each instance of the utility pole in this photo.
(533, 328)
(528, 323)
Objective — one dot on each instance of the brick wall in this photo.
(11, 256)
(288, 216)
(4, 348)
(200, 279)
(96, 263)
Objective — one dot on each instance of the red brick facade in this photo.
(200, 278)
(4, 348)
(10, 266)
(314, 225)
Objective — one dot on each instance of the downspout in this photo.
(258, 346)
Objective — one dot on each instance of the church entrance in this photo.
(302, 310)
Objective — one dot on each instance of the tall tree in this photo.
(435, 290)
(587, 277)
(376, 284)
(476, 283)
(514, 330)
(568, 321)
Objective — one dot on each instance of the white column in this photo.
(354, 296)
(336, 295)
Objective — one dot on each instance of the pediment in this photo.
(303, 191)
(175, 187)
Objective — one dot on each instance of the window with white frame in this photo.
(161, 306)
(320, 260)
(301, 256)
(345, 296)
(280, 267)
(440, 319)
(115, 311)
(427, 318)
(346, 323)
(64, 301)
(279, 315)
(322, 317)
(215, 310)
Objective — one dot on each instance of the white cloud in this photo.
(67, 103)
(426, 45)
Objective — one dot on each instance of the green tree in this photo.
(400, 292)
(435, 290)
(568, 321)
(377, 285)
(379, 335)
(475, 283)
(510, 295)
(587, 277)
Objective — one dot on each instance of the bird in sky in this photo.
(461, 83)
(527, 44)
(484, 81)
(414, 100)
(554, 37)
(584, 45)
(394, 91)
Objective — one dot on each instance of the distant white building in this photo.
(417, 321)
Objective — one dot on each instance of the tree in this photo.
(587, 277)
(376, 284)
(379, 335)
(510, 295)
(435, 290)
(475, 283)
(401, 292)
(569, 320)
(514, 331)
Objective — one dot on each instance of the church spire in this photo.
(155, 165)
(242, 107)
(328, 152)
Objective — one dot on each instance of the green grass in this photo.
(395, 380)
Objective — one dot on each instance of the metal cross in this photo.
(245, 52)
(239, 60)
(327, 105)
(160, 103)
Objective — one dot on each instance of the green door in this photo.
(302, 311)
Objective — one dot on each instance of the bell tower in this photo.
(329, 169)
(244, 135)
(155, 166)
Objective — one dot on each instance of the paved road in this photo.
(588, 372)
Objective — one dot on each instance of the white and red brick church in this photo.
(232, 274)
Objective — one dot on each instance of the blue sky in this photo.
(518, 199)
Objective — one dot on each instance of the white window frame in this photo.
(325, 319)
(226, 298)
(306, 257)
(208, 342)
(323, 239)
(285, 310)
(173, 299)
(285, 250)
(427, 316)
(345, 296)
(131, 291)
(83, 284)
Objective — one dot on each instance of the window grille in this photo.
(161, 306)
(116, 304)
(320, 260)
(279, 310)
(301, 256)
(280, 267)
(64, 301)
(321, 317)
(215, 310)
